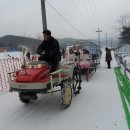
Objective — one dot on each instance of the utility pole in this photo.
(106, 39)
(43, 10)
(111, 43)
(99, 31)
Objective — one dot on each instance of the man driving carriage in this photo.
(49, 50)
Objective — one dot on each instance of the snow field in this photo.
(97, 107)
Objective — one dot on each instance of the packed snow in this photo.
(7, 55)
(97, 107)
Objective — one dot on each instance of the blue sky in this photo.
(23, 17)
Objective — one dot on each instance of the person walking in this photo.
(108, 58)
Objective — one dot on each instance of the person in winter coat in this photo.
(28, 56)
(77, 55)
(51, 49)
(108, 57)
(71, 56)
(85, 56)
(63, 53)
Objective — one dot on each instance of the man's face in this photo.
(46, 37)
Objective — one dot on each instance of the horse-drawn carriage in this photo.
(35, 78)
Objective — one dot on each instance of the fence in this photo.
(124, 88)
(10, 65)
(120, 61)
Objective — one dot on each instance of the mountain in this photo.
(17, 42)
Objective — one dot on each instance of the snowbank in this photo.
(6, 55)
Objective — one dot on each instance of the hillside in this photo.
(17, 42)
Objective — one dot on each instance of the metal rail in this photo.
(119, 58)
(51, 77)
(124, 89)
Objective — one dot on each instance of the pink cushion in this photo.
(84, 64)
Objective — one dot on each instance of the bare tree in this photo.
(124, 28)
(123, 21)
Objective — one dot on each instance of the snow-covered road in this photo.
(98, 107)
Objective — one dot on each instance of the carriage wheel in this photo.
(24, 100)
(66, 92)
(77, 80)
(25, 97)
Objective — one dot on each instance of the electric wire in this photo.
(96, 12)
(88, 13)
(66, 20)
(85, 19)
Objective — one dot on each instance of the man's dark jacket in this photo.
(51, 49)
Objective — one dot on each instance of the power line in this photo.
(94, 6)
(96, 11)
(85, 4)
(80, 11)
(90, 4)
(89, 20)
(93, 11)
(58, 13)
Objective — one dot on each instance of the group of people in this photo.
(49, 51)
(79, 55)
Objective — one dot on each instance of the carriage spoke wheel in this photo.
(76, 80)
(66, 95)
